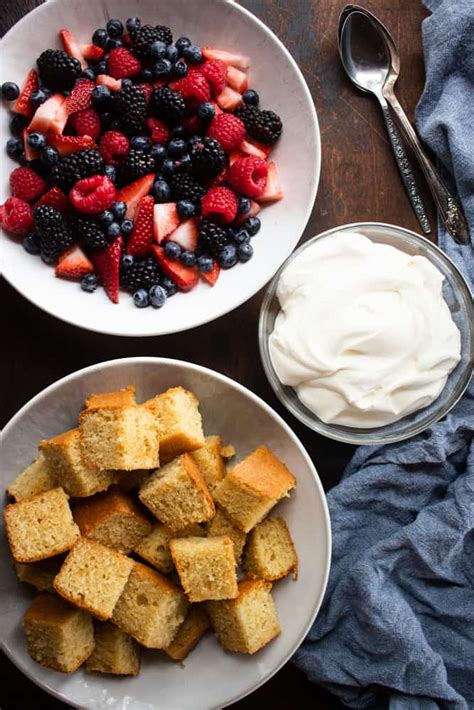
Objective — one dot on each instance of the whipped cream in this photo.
(364, 335)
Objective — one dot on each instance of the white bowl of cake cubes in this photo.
(166, 538)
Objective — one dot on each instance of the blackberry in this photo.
(88, 232)
(208, 157)
(212, 238)
(168, 104)
(143, 273)
(165, 33)
(130, 106)
(143, 37)
(75, 166)
(58, 70)
(264, 126)
(135, 165)
(186, 187)
(52, 230)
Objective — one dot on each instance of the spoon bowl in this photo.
(364, 53)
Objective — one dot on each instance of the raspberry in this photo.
(26, 184)
(194, 87)
(122, 63)
(215, 72)
(55, 198)
(160, 133)
(86, 123)
(16, 216)
(113, 144)
(248, 176)
(228, 129)
(219, 204)
(93, 195)
(147, 90)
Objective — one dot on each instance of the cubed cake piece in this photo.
(150, 609)
(36, 478)
(177, 495)
(177, 413)
(119, 398)
(210, 461)
(253, 487)
(270, 553)
(245, 624)
(206, 567)
(63, 457)
(155, 548)
(119, 437)
(93, 577)
(115, 651)
(113, 519)
(41, 526)
(221, 525)
(57, 635)
(189, 634)
(39, 574)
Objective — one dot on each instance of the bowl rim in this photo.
(255, 399)
(352, 435)
(313, 182)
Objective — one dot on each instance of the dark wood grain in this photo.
(359, 181)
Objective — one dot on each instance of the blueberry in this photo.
(244, 252)
(162, 68)
(37, 141)
(100, 38)
(241, 236)
(146, 75)
(158, 152)
(205, 264)
(206, 111)
(10, 91)
(106, 218)
(184, 163)
(177, 147)
(48, 259)
(89, 283)
(111, 172)
(31, 243)
(17, 123)
(169, 286)
(188, 258)
(100, 68)
(178, 131)
(157, 296)
(251, 97)
(88, 73)
(133, 23)
(252, 225)
(157, 50)
(194, 140)
(101, 95)
(127, 226)
(192, 54)
(38, 98)
(23, 161)
(141, 298)
(161, 191)
(141, 143)
(185, 209)
(181, 44)
(112, 231)
(171, 53)
(49, 155)
(243, 205)
(14, 147)
(172, 250)
(127, 261)
(119, 209)
(126, 82)
(180, 69)
(168, 167)
(227, 257)
(114, 43)
(114, 28)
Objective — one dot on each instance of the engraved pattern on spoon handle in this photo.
(405, 169)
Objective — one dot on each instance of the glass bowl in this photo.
(459, 299)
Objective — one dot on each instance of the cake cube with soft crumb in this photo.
(150, 608)
(210, 461)
(155, 548)
(93, 577)
(119, 437)
(221, 525)
(115, 653)
(118, 398)
(58, 636)
(41, 526)
(249, 622)
(39, 574)
(206, 567)
(270, 553)
(177, 495)
(113, 519)
(253, 487)
(36, 478)
(63, 457)
(180, 424)
(189, 634)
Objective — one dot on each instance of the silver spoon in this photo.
(366, 60)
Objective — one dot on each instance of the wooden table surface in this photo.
(359, 181)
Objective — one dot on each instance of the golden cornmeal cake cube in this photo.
(93, 577)
(57, 635)
(245, 624)
(36, 478)
(155, 548)
(119, 437)
(270, 553)
(180, 424)
(39, 574)
(221, 525)
(210, 461)
(41, 526)
(177, 495)
(118, 398)
(113, 519)
(150, 609)
(253, 487)
(63, 457)
(115, 651)
(189, 634)
(206, 567)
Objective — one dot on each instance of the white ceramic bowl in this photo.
(211, 678)
(273, 72)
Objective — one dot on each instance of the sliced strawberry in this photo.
(70, 144)
(44, 119)
(212, 276)
(229, 99)
(81, 96)
(133, 193)
(237, 80)
(165, 220)
(107, 266)
(71, 47)
(240, 61)
(217, 108)
(234, 157)
(185, 277)
(141, 238)
(273, 190)
(29, 86)
(109, 81)
(92, 52)
(55, 198)
(186, 235)
(30, 154)
(253, 212)
(73, 264)
(251, 147)
(60, 119)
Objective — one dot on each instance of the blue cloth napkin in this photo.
(396, 628)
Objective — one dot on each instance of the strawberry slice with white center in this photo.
(240, 61)
(237, 80)
(29, 86)
(107, 266)
(73, 264)
(165, 220)
(141, 238)
(133, 193)
(229, 99)
(186, 235)
(71, 47)
(109, 81)
(185, 277)
(272, 191)
(251, 147)
(211, 276)
(49, 115)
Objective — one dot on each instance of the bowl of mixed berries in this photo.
(144, 160)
